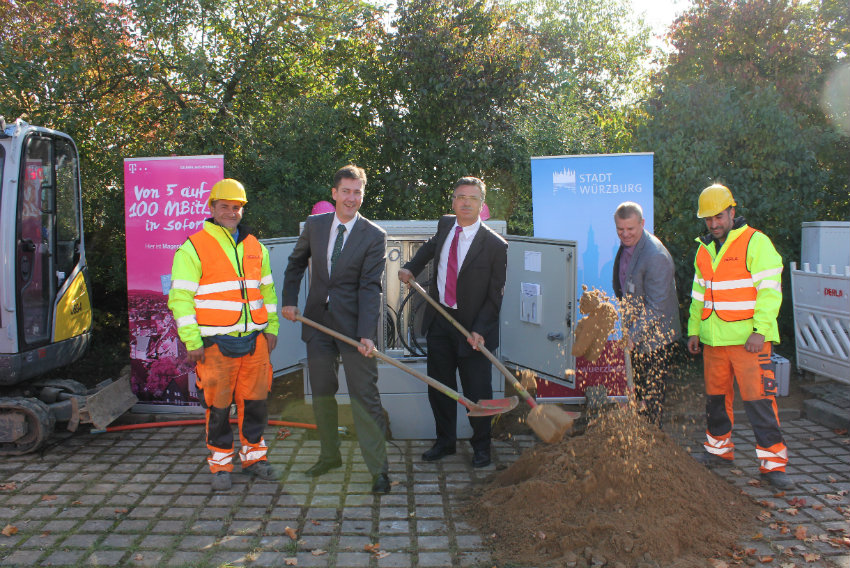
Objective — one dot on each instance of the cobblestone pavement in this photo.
(142, 498)
(805, 526)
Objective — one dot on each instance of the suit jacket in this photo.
(650, 302)
(354, 290)
(480, 280)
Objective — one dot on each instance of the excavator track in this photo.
(25, 424)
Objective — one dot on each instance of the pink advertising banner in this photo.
(165, 201)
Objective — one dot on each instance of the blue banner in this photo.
(574, 198)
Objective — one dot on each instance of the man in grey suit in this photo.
(348, 258)
(644, 282)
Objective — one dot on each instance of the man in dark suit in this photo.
(644, 282)
(469, 281)
(348, 258)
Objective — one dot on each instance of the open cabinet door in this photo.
(538, 310)
(290, 350)
(538, 318)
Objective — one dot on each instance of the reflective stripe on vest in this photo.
(729, 289)
(222, 293)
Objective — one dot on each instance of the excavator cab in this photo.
(46, 312)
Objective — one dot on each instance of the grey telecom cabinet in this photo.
(537, 316)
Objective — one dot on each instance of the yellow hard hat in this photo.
(713, 200)
(228, 189)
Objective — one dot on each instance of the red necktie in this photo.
(451, 271)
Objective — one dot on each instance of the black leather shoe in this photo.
(381, 485)
(438, 451)
(481, 458)
(323, 466)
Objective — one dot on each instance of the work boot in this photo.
(261, 469)
(221, 481)
(711, 460)
(778, 479)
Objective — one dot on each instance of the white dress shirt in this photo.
(332, 237)
(464, 240)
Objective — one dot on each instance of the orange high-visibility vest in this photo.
(222, 292)
(729, 289)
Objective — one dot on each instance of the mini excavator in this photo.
(45, 305)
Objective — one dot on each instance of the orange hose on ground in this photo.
(198, 423)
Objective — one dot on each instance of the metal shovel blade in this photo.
(486, 407)
(550, 423)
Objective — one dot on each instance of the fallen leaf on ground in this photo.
(371, 547)
(736, 472)
(381, 554)
(817, 506)
(138, 558)
(715, 563)
(811, 557)
(800, 533)
(792, 512)
(318, 552)
(290, 532)
(120, 511)
(779, 495)
(754, 482)
(758, 536)
(48, 497)
(291, 561)
(10, 530)
(315, 522)
(8, 486)
(765, 559)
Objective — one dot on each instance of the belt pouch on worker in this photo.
(233, 347)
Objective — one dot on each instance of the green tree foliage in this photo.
(270, 85)
(87, 82)
(449, 80)
(739, 103)
(785, 45)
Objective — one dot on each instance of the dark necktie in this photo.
(451, 271)
(337, 245)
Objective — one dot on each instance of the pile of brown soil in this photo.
(621, 494)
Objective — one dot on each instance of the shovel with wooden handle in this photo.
(550, 423)
(480, 408)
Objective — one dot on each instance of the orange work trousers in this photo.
(246, 381)
(757, 384)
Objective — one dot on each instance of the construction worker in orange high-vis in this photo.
(224, 302)
(735, 300)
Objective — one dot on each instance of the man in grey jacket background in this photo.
(645, 283)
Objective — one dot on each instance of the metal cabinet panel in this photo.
(290, 350)
(538, 309)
